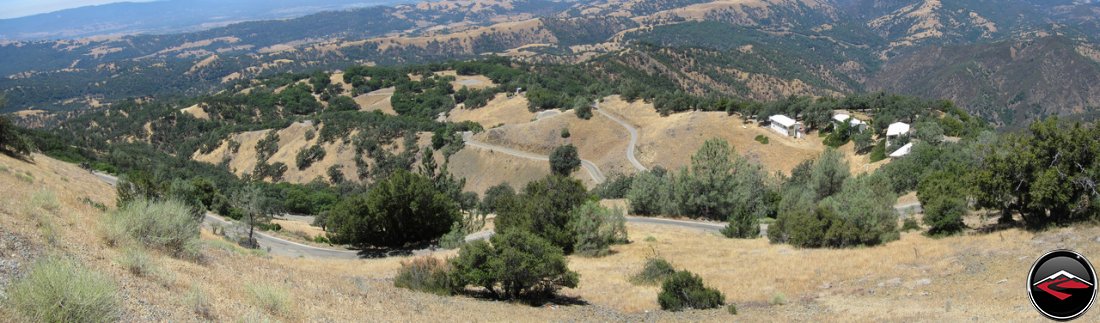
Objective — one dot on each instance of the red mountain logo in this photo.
(1061, 281)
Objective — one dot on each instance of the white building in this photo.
(854, 123)
(896, 130)
(901, 152)
(785, 126)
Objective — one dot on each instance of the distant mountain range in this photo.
(1008, 61)
(166, 16)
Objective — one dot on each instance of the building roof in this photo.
(841, 117)
(897, 128)
(782, 120)
(904, 150)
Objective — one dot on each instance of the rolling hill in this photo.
(750, 49)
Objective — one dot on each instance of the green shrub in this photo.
(878, 152)
(943, 199)
(404, 209)
(46, 200)
(732, 309)
(199, 303)
(518, 264)
(454, 238)
(307, 156)
(60, 290)
(778, 299)
(137, 262)
(684, 290)
(565, 132)
(597, 228)
(426, 274)
(273, 299)
(166, 225)
(909, 224)
(615, 187)
(655, 271)
(544, 209)
(564, 160)
(761, 139)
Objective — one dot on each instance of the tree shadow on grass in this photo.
(369, 252)
(535, 301)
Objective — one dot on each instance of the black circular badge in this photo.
(1062, 285)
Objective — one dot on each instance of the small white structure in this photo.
(895, 130)
(854, 123)
(785, 126)
(901, 152)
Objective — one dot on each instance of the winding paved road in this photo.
(633, 138)
(593, 170)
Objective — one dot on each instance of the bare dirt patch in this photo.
(483, 169)
(599, 139)
(378, 100)
(501, 110)
(473, 82)
(196, 111)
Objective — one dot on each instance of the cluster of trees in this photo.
(473, 99)
(822, 205)
(719, 185)
(307, 156)
(1048, 174)
(12, 142)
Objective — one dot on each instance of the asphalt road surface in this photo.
(633, 138)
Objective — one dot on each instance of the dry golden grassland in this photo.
(377, 100)
(599, 139)
(501, 110)
(483, 169)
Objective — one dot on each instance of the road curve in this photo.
(633, 138)
(593, 170)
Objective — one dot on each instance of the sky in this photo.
(20, 8)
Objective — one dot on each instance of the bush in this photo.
(199, 303)
(597, 228)
(909, 224)
(656, 270)
(518, 264)
(454, 238)
(878, 152)
(426, 274)
(564, 160)
(307, 156)
(544, 209)
(583, 108)
(860, 213)
(685, 290)
(60, 290)
(166, 225)
(615, 187)
(761, 139)
(273, 299)
(496, 197)
(944, 202)
(565, 132)
(137, 262)
(404, 209)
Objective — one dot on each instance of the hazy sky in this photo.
(19, 8)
